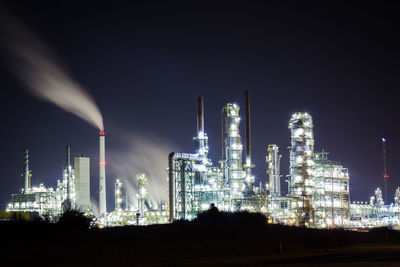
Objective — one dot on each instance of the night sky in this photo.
(145, 63)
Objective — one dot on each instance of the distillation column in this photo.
(69, 173)
(118, 199)
(201, 140)
(273, 160)
(232, 150)
(302, 167)
(26, 171)
(142, 196)
(68, 204)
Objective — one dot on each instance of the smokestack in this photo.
(102, 183)
(248, 128)
(26, 170)
(68, 172)
(200, 114)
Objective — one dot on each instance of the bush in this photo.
(74, 219)
(242, 218)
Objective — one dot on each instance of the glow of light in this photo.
(383, 140)
(201, 134)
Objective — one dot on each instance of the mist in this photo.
(142, 153)
(95, 206)
(32, 62)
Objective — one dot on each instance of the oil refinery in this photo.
(318, 188)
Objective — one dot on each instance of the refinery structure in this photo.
(318, 194)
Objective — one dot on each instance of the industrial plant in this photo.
(318, 188)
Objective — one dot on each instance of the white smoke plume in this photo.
(142, 154)
(39, 69)
(95, 206)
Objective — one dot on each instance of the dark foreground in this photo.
(244, 242)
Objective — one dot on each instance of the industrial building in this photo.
(318, 194)
(71, 192)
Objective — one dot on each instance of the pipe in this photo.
(200, 114)
(248, 128)
(26, 170)
(102, 182)
(171, 166)
(183, 190)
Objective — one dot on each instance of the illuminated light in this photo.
(310, 162)
(383, 140)
(102, 133)
(235, 185)
(201, 134)
(385, 176)
(103, 163)
(204, 206)
(298, 132)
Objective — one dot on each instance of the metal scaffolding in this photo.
(302, 168)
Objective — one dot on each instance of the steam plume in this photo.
(142, 153)
(35, 65)
(95, 206)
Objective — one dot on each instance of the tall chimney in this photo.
(26, 170)
(248, 128)
(200, 114)
(248, 166)
(102, 182)
(68, 172)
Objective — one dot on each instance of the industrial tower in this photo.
(385, 175)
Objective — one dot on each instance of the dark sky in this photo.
(145, 63)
